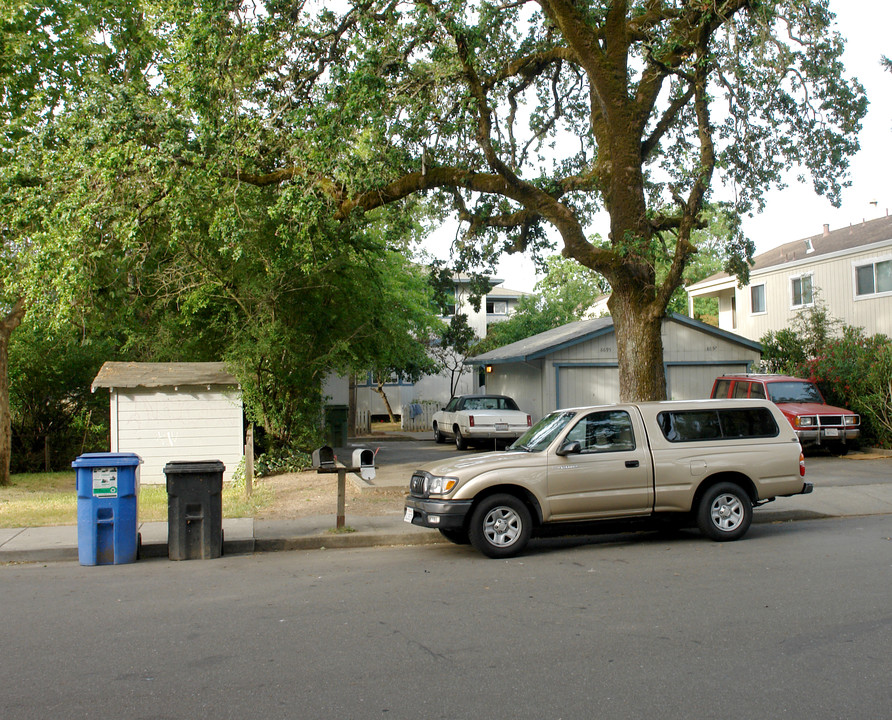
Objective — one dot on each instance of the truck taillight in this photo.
(471, 420)
(801, 465)
(529, 421)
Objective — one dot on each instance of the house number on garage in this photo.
(105, 482)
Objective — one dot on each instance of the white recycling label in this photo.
(105, 482)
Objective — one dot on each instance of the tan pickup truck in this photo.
(709, 461)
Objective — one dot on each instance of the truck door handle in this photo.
(631, 463)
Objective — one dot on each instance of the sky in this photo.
(797, 212)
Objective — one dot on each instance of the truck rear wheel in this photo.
(500, 526)
(725, 512)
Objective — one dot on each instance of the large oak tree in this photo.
(528, 116)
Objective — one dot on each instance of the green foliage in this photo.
(234, 180)
(807, 337)
(531, 317)
(451, 347)
(280, 460)
(851, 369)
(855, 371)
(569, 288)
(55, 417)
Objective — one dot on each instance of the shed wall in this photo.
(188, 424)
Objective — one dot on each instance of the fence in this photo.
(363, 422)
(417, 416)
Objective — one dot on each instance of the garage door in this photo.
(692, 382)
(587, 385)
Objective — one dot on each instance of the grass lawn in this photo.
(39, 499)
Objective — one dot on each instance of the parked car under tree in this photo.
(472, 419)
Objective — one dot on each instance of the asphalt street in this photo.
(793, 622)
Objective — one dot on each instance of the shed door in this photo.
(693, 382)
(587, 386)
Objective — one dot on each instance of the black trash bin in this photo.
(336, 425)
(194, 509)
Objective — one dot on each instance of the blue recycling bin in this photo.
(107, 508)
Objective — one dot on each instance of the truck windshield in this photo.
(793, 392)
(541, 435)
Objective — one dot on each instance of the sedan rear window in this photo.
(730, 424)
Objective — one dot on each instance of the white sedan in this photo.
(472, 418)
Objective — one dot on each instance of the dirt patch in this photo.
(306, 494)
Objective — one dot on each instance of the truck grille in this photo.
(416, 485)
(830, 420)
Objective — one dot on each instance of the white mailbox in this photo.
(364, 459)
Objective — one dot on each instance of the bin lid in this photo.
(106, 459)
(193, 466)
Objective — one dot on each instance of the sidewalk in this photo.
(246, 535)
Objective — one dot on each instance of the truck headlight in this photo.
(852, 420)
(806, 421)
(440, 485)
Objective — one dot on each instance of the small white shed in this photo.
(174, 411)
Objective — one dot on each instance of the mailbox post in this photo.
(324, 461)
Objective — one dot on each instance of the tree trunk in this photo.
(639, 349)
(379, 388)
(9, 323)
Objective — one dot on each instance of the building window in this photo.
(757, 297)
(802, 291)
(874, 278)
(496, 307)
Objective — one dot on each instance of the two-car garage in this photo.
(577, 364)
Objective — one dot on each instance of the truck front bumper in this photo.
(426, 512)
(819, 436)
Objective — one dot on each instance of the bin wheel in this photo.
(222, 539)
(138, 545)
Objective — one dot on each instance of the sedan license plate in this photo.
(501, 427)
(409, 515)
(831, 432)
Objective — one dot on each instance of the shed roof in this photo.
(581, 331)
(147, 374)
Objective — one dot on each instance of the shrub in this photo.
(856, 371)
(851, 369)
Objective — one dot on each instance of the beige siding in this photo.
(833, 282)
(692, 382)
(167, 425)
(587, 385)
(521, 382)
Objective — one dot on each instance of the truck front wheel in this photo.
(500, 526)
(725, 512)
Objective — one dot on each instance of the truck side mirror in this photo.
(364, 459)
(570, 448)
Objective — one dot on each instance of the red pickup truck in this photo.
(815, 422)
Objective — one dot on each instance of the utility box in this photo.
(364, 463)
(194, 509)
(107, 508)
